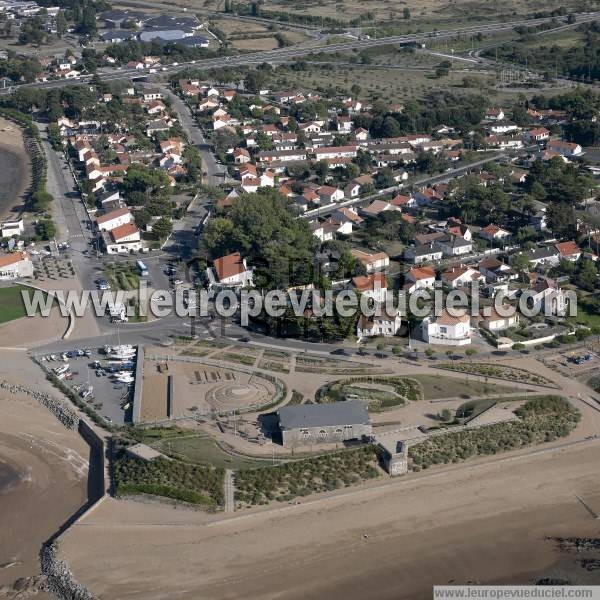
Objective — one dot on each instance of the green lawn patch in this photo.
(11, 303)
(204, 450)
(439, 387)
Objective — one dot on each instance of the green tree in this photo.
(162, 228)
(61, 24)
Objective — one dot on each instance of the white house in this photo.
(423, 253)
(372, 262)
(460, 276)
(497, 322)
(230, 271)
(383, 322)
(14, 265)
(114, 218)
(10, 228)
(446, 329)
(493, 233)
(567, 149)
(550, 298)
(419, 278)
(454, 245)
(123, 239)
(373, 286)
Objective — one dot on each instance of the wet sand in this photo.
(15, 170)
(43, 473)
(487, 524)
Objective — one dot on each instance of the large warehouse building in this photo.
(306, 424)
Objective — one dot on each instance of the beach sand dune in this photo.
(48, 473)
(486, 524)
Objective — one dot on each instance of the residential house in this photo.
(241, 156)
(12, 228)
(493, 233)
(113, 219)
(550, 298)
(122, 239)
(568, 251)
(377, 207)
(546, 255)
(423, 253)
(329, 194)
(419, 278)
(461, 275)
(15, 265)
(230, 271)
(496, 271)
(453, 245)
(373, 286)
(446, 329)
(385, 322)
(494, 114)
(377, 261)
(566, 149)
(494, 321)
(539, 134)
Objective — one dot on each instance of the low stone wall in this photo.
(68, 417)
(59, 577)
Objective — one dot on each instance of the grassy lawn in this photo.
(11, 303)
(204, 450)
(435, 387)
(122, 277)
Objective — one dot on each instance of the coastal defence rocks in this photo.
(60, 580)
(63, 413)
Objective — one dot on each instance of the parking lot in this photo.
(110, 398)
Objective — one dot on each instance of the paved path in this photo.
(229, 492)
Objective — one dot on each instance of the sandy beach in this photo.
(15, 170)
(43, 472)
(486, 524)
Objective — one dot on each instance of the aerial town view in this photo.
(299, 300)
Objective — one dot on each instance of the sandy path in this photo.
(486, 524)
(15, 170)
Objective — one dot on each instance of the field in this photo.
(11, 303)
(423, 13)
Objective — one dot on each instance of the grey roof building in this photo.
(165, 35)
(307, 424)
(170, 22)
(117, 35)
(194, 41)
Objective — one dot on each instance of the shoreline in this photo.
(15, 170)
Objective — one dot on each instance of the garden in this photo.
(194, 484)
(379, 392)
(505, 372)
(122, 276)
(304, 477)
(542, 419)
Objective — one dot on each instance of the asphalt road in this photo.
(290, 53)
(424, 181)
